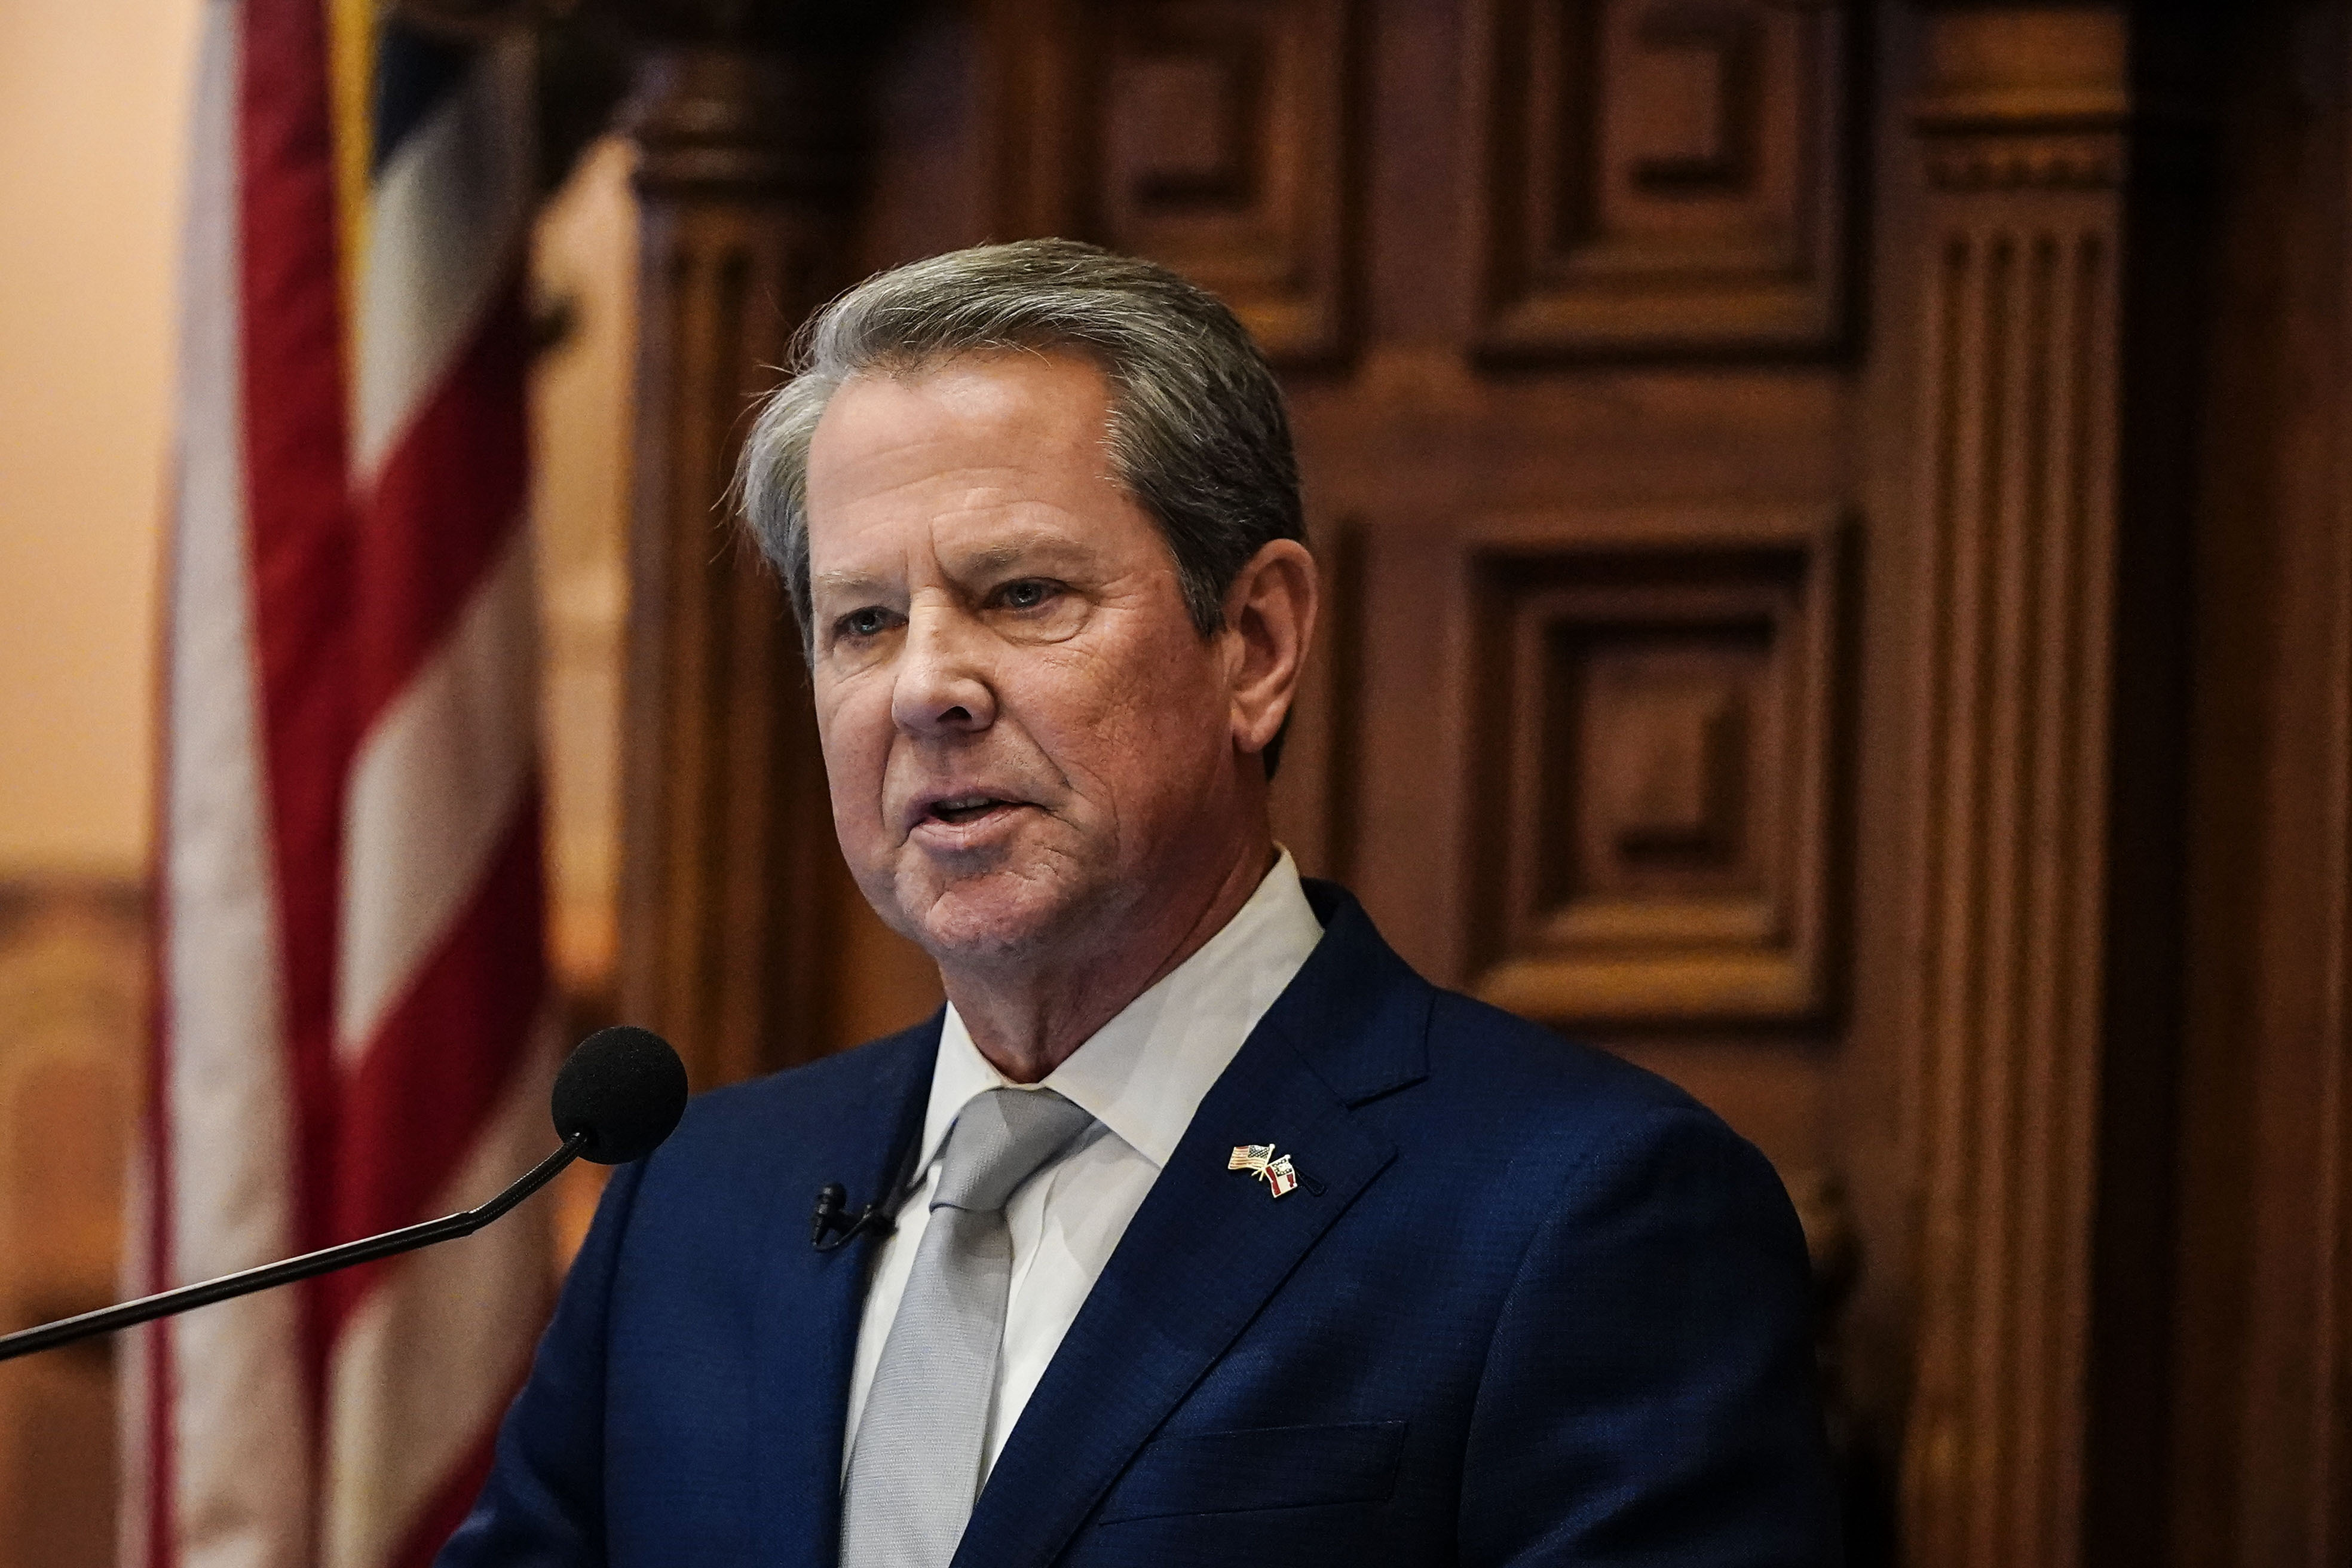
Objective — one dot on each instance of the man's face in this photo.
(1023, 730)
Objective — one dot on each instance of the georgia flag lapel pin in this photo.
(1260, 1161)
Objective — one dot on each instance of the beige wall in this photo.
(585, 259)
(93, 110)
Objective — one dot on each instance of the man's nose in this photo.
(942, 687)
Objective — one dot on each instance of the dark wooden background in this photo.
(1838, 524)
(1836, 521)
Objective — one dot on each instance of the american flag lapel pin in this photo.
(1260, 1161)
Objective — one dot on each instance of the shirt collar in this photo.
(1143, 1074)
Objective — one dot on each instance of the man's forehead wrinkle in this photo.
(887, 468)
(846, 581)
(1011, 552)
(953, 497)
(962, 393)
(1031, 546)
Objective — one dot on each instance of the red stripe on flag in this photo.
(447, 498)
(301, 525)
(443, 1057)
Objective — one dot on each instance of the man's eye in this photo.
(864, 623)
(1026, 594)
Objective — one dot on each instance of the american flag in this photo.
(350, 985)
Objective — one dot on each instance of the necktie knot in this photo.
(1000, 1139)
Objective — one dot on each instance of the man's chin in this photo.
(1001, 916)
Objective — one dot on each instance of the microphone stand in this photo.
(367, 1249)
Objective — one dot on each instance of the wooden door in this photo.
(1744, 441)
(1564, 296)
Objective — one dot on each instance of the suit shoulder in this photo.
(1559, 1110)
(813, 1094)
(1569, 1093)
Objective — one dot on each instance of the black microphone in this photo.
(617, 1097)
(625, 1088)
(831, 1229)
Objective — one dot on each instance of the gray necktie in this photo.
(915, 1466)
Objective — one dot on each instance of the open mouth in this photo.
(966, 808)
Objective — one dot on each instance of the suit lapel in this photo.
(1210, 1245)
(813, 1300)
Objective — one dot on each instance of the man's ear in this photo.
(1269, 621)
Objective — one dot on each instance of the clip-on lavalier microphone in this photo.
(828, 1218)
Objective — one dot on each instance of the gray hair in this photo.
(1197, 432)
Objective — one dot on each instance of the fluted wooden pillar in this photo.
(2047, 454)
(746, 168)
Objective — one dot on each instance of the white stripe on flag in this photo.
(434, 790)
(241, 1452)
(425, 1366)
(136, 1370)
(451, 209)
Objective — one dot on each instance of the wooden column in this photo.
(746, 169)
(2263, 1455)
(2049, 459)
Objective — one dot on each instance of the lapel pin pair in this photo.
(1260, 1161)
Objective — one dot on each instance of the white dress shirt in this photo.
(1141, 1077)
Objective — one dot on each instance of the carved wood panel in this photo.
(725, 930)
(1658, 176)
(2010, 905)
(1535, 750)
(1212, 135)
(74, 964)
(1655, 692)
(2041, 1000)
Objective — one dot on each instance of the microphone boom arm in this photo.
(367, 1249)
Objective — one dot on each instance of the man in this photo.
(1220, 1235)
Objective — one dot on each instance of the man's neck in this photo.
(1029, 1022)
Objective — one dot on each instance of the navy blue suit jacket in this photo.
(1531, 1305)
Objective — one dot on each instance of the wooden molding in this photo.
(2326, 1512)
(2021, 352)
(726, 873)
(1215, 136)
(1656, 689)
(75, 970)
(2024, 99)
(2041, 914)
(1652, 177)
(744, 129)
